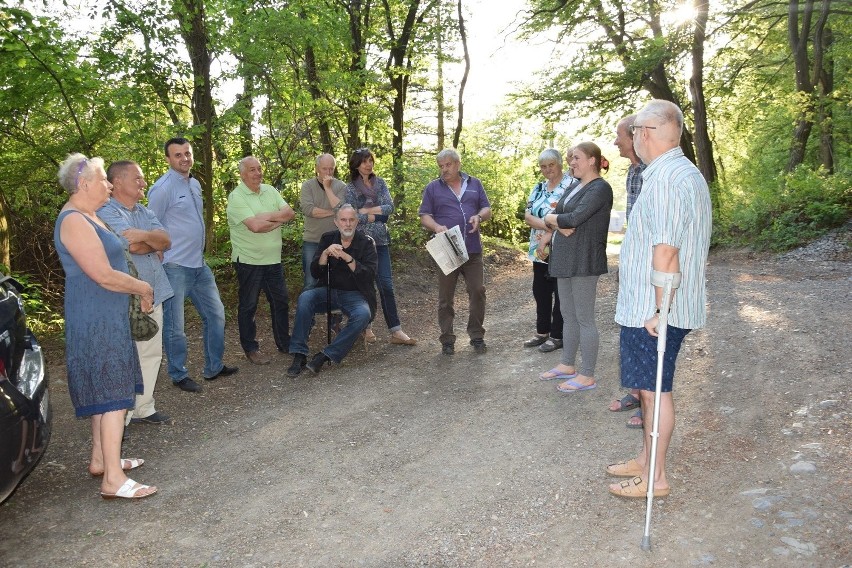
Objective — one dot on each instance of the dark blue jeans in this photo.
(314, 301)
(269, 279)
(384, 281)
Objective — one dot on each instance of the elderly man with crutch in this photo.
(665, 248)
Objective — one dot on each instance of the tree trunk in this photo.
(460, 118)
(190, 14)
(359, 22)
(399, 71)
(316, 96)
(245, 110)
(703, 146)
(439, 95)
(826, 87)
(798, 40)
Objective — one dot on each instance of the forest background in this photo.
(764, 85)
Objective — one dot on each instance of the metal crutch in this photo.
(328, 301)
(668, 282)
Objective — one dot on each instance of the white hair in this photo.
(448, 153)
(76, 167)
(665, 112)
(551, 154)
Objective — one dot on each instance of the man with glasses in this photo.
(667, 239)
(319, 198)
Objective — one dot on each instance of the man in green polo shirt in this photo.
(256, 212)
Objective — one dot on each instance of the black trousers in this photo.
(548, 318)
(269, 279)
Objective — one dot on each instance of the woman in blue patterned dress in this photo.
(369, 195)
(102, 364)
(543, 199)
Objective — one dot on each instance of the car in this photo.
(25, 414)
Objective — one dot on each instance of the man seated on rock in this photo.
(344, 265)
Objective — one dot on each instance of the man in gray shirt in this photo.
(320, 196)
(146, 240)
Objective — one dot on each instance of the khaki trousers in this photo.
(150, 356)
(473, 272)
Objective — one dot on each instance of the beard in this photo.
(347, 233)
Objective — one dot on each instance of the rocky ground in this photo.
(404, 457)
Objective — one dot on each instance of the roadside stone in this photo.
(753, 492)
(806, 548)
(764, 503)
(756, 523)
(803, 467)
(829, 403)
(704, 559)
(727, 410)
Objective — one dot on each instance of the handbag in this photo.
(142, 326)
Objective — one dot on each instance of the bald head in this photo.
(657, 129)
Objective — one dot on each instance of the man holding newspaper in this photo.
(453, 207)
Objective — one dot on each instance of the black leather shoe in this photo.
(225, 372)
(315, 366)
(295, 369)
(448, 348)
(156, 418)
(479, 345)
(188, 385)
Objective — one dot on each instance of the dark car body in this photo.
(24, 402)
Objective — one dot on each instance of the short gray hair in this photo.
(627, 121)
(321, 156)
(76, 167)
(665, 112)
(448, 153)
(551, 154)
(342, 207)
(241, 165)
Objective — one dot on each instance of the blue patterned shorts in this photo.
(639, 357)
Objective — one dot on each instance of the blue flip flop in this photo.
(577, 387)
(557, 374)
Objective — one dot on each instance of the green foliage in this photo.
(791, 210)
(42, 319)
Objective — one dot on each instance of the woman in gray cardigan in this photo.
(577, 259)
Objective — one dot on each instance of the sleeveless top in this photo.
(102, 364)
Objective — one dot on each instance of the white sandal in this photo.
(128, 491)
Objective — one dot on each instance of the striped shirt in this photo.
(674, 210)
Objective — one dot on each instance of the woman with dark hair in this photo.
(101, 360)
(577, 259)
(370, 197)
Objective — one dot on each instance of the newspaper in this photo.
(448, 249)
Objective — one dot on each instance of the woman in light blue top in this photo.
(369, 194)
(543, 199)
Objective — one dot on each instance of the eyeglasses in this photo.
(633, 127)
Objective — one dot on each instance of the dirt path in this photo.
(405, 457)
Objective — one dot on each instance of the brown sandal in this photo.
(625, 469)
(636, 488)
